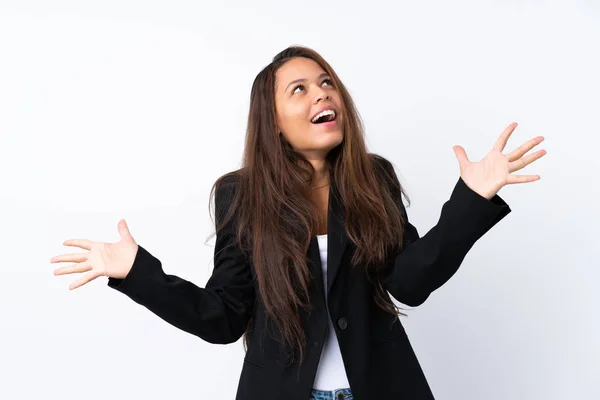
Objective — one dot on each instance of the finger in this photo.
(83, 280)
(521, 178)
(73, 257)
(503, 139)
(124, 230)
(70, 269)
(522, 162)
(83, 243)
(461, 156)
(524, 148)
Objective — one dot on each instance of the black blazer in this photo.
(379, 360)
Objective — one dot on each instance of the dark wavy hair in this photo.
(275, 218)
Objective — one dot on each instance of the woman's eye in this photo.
(299, 86)
(302, 86)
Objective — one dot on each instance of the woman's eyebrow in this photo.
(324, 74)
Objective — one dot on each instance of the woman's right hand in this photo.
(113, 260)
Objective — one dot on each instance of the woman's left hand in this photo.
(488, 176)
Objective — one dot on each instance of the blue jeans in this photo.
(337, 394)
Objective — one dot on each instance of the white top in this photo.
(331, 373)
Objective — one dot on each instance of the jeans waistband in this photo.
(337, 394)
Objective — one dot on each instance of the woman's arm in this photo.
(426, 263)
(218, 313)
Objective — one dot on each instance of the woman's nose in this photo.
(321, 95)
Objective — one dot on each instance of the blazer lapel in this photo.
(337, 239)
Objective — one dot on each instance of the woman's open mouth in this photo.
(326, 118)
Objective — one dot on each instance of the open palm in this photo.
(488, 176)
(113, 260)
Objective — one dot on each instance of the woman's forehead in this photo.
(298, 68)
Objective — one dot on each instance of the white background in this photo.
(132, 109)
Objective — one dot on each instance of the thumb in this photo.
(124, 230)
(461, 155)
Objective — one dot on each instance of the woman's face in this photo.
(303, 90)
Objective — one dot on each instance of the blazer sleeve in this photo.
(218, 313)
(425, 263)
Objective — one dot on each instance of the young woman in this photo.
(312, 237)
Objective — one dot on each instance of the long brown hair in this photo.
(275, 218)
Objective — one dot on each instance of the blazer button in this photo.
(342, 323)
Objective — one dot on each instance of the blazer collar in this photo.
(337, 238)
(337, 241)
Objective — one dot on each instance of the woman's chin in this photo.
(330, 134)
(330, 140)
